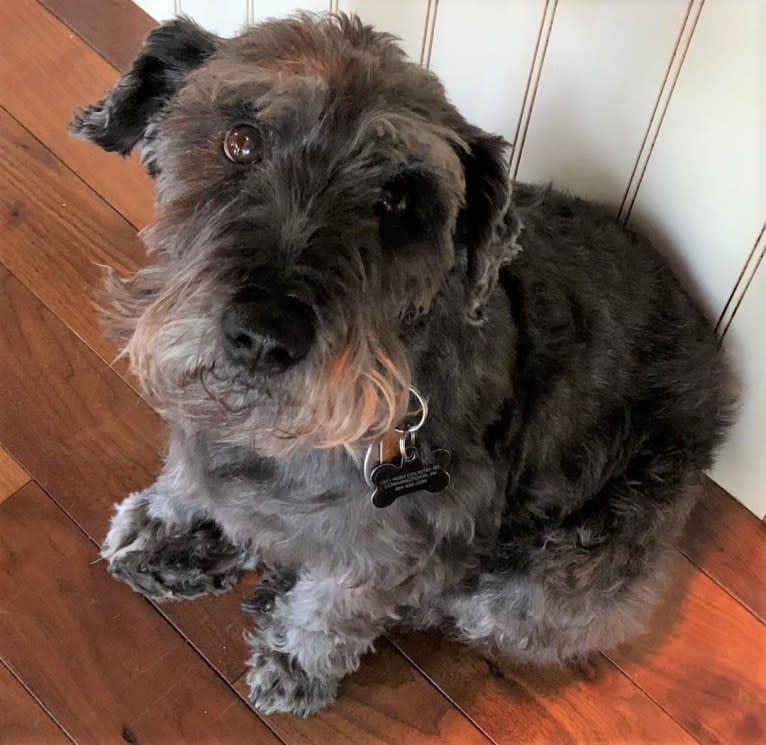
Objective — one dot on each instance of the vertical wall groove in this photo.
(655, 109)
(686, 34)
(533, 81)
(745, 278)
(743, 293)
(429, 29)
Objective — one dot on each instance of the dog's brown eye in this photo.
(243, 144)
(394, 202)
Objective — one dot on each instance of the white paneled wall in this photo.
(262, 9)
(741, 465)
(404, 18)
(160, 9)
(227, 17)
(208, 14)
(604, 65)
(655, 107)
(703, 195)
(483, 55)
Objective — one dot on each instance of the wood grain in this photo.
(114, 28)
(704, 661)
(73, 424)
(386, 702)
(38, 50)
(58, 234)
(728, 543)
(85, 436)
(550, 707)
(12, 475)
(101, 658)
(22, 719)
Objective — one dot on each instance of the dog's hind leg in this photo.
(587, 582)
(170, 553)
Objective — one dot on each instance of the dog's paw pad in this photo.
(162, 581)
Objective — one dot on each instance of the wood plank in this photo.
(215, 625)
(728, 542)
(386, 702)
(12, 475)
(89, 440)
(57, 233)
(103, 661)
(114, 28)
(550, 707)
(22, 719)
(39, 49)
(704, 661)
(68, 419)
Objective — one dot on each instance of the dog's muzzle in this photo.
(266, 330)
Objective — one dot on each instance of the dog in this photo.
(413, 392)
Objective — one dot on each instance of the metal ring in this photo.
(369, 464)
(407, 446)
(367, 468)
(423, 413)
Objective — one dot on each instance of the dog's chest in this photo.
(313, 509)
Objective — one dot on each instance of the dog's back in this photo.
(605, 329)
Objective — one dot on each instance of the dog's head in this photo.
(315, 192)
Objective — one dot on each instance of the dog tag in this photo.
(393, 480)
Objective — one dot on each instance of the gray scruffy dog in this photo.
(330, 233)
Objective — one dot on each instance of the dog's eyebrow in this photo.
(240, 111)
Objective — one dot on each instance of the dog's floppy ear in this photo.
(481, 229)
(119, 121)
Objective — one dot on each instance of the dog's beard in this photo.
(360, 393)
(350, 391)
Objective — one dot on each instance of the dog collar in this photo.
(395, 465)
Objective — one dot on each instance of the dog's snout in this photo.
(267, 330)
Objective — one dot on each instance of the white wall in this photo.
(655, 107)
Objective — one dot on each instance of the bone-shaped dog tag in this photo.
(394, 480)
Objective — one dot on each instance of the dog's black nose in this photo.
(266, 330)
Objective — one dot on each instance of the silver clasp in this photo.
(374, 455)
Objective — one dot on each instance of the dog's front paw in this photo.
(163, 560)
(278, 684)
(184, 566)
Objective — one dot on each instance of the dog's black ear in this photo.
(119, 121)
(480, 230)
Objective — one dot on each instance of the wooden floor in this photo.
(83, 659)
